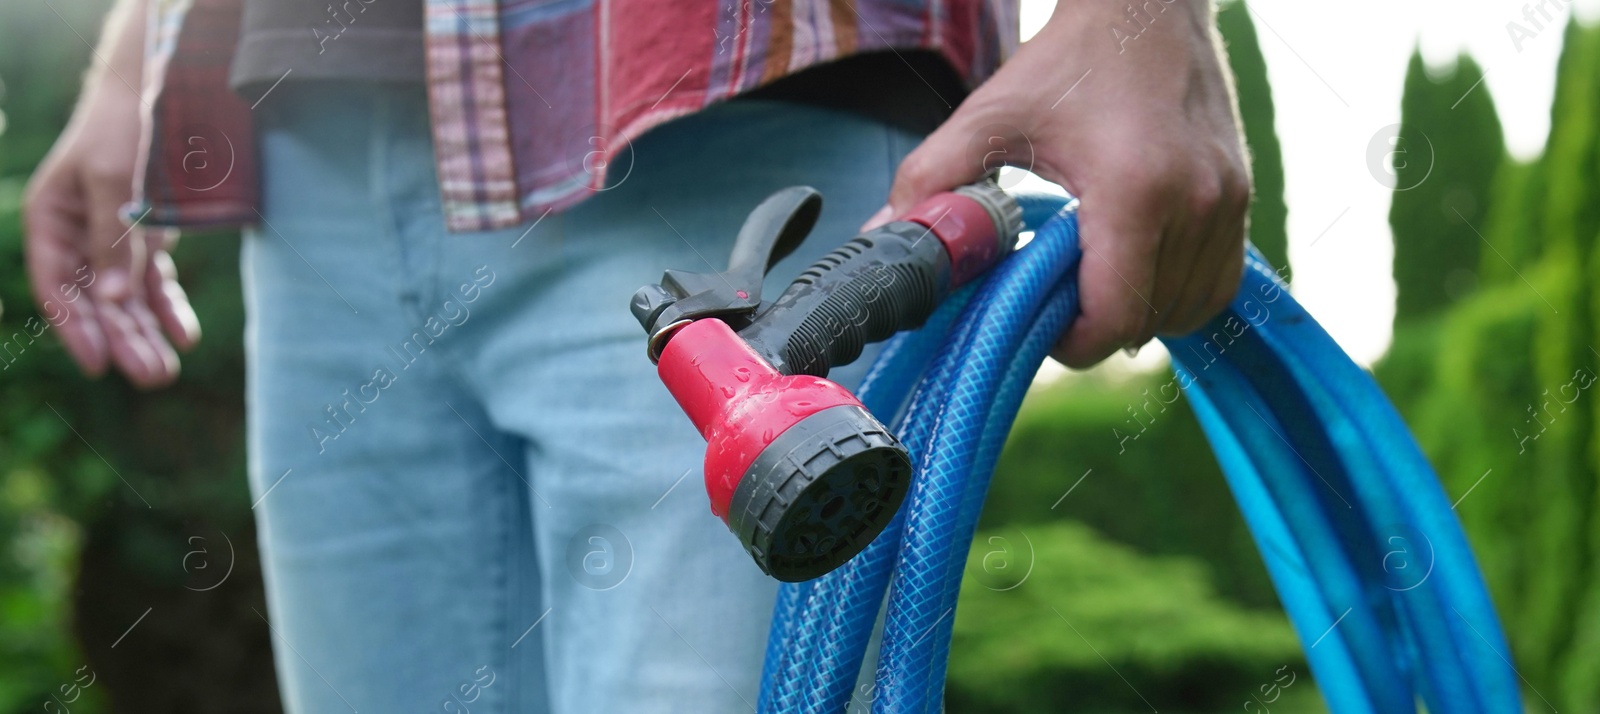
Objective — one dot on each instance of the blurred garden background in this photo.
(1103, 512)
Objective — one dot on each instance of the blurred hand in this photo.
(110, 291)
(1129, 108)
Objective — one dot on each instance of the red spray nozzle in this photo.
(795, 466)
(800, 471)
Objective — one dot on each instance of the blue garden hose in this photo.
(1357, 535)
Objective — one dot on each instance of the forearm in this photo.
(1130, 23)
(116, 71)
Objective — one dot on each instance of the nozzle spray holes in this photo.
(599, 556)
(832, 507)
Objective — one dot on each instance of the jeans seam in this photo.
(497, 630)
(382, 197)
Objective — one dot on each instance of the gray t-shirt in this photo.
(377, 40)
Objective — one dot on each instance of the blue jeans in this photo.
(472, 491)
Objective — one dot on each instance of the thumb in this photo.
(959, 152)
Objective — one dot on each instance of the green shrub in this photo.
(1151, 482)
(1086, 624)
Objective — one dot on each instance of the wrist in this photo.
(1121, 26)
(118, 59)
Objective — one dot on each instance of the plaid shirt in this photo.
(531, 100)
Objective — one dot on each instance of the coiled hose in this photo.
(1358, 536)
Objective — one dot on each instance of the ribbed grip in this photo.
(887, 280)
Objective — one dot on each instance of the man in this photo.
(467, 473)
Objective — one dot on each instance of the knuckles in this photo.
(1236, 194)
(1220, 189)
(1205, 196)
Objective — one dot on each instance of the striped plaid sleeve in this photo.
(198, 159)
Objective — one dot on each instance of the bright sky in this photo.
(1336, 71)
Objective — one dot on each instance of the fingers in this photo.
(955, 154)
(164, 365)
(1163, 251)
(1116, 278)
(1226, 286)
(167, 299)
(118, 256)
(132, 353)
(1212, 281)
(58, 267)
(116, 253)
(1177, 276)
(134, 339)
(1213, 276)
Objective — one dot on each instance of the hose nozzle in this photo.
(799, 470)
(795, 465)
